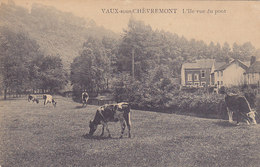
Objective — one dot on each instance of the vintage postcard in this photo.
(129, 83)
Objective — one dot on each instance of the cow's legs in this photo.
(129, 127)
(83, 103)
(122, 128)
(128, 123)
(238, 118)
(105, 124)
(230, 114)
(247, 120)
(103, 127)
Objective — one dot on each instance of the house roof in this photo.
(255, 67)
(247, 63)
(202, 63)
(223, 67)
(219, 64)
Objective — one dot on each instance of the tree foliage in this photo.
(158, 57)
(24, 67)
(155, 48)
(91, 70)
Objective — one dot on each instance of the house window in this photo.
(203, 84)
(221, 73)
(218, 73)
(196, 77)
(221, 83)
(196, 84)
(189, 77)
(202, 74)
(218, 82)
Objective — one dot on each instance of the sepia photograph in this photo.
(138, 83)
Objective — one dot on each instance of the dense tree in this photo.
(135, 46)
(52, 75)
(16, 53)
(151, 48)
(226, 53)
(90, 71)
(23, 66)
(243, 52)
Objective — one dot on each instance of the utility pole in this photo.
(133, 63)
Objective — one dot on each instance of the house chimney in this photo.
(252, 60)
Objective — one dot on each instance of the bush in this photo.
(250, 95)
(162, 96)
(76, 93)
(203, 105)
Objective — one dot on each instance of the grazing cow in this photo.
(33, 98)
(85, 97)
(49, 99)
(239, 105)
(111, 113)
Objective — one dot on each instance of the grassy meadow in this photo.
(34, 135)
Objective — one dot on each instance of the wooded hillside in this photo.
(57, 33)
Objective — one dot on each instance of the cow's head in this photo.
(92, 127)
(122, 107)
(251, 116)
(54, 102)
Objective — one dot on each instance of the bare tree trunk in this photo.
(133, 63)
(107, 83)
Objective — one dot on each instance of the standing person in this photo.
(85, 98)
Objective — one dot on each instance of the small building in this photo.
(197, 74)
(208, 72)
(230, 74)
(252, 74)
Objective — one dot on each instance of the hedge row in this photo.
(171, 100)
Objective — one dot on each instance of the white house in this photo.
(230, 74)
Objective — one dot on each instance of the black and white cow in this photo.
(33, 98)
(84, 98)
(49, 99)
(239, 105)
(111, 113)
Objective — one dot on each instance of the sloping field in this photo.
(34, 135)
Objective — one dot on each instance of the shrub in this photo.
(76, 93)
(250, 95)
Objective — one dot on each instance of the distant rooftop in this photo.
(219, 64)
(225, 65)
(254, 68)
(202, 63)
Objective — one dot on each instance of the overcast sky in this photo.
(239, 23)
